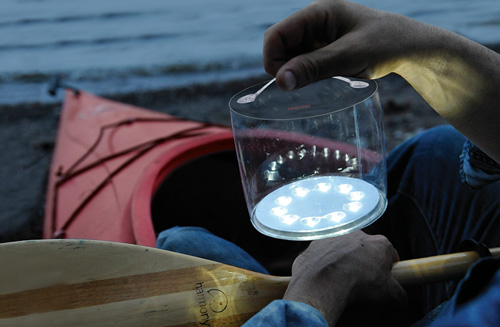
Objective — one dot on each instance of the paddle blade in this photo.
(97, 283)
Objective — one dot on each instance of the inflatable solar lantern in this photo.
(312, 161)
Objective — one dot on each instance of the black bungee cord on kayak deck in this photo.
(76, 169)
(140, 150)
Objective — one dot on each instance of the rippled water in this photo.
(114, 46)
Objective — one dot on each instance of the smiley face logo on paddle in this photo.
(218, 300)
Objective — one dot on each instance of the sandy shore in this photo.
(28, 133)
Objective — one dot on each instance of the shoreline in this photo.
(203, 81)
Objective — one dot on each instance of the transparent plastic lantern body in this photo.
(312, 161)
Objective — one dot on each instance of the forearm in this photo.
(459, 79)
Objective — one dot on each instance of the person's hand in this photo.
(335, 272)
(457, 77)
(334, 37)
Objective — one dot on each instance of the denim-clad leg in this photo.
(199, 242)
(430, 210)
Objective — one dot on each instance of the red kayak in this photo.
(109, 161)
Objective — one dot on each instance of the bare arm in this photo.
(456, 76)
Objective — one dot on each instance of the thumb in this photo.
(333, 59)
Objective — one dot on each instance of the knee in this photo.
(439, 147)
(443, 134)
(442, 141)
(177, 237)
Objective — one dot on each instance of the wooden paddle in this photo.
(96, 283)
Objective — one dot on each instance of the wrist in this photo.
(329, 297)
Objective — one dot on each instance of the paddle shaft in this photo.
(437, 268)
(434, 269)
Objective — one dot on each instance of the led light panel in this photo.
(316, 204)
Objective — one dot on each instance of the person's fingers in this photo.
(341, 57)
(391, 250)
(395, 255)
(303, 32)
(396, 293)
(274, 52)
(329, 38)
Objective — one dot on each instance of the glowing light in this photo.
(288, 219)
(324, 187)
(326, 152)
(356, 196)
(316, 204)
(272, 175)
(279, 211)
(302, 153)
(280, 159)
(290, 155)
(353, 206)
(343, 188)
(273, 165)
(310, 221)
(300, 191)
(336, 216)
(313, 151)
(283, 200)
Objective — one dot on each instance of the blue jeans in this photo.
(430, 212)
(199, 242)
